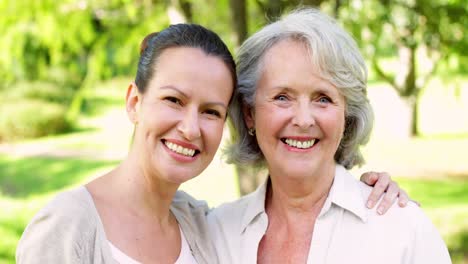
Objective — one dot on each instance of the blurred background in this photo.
(65, 66)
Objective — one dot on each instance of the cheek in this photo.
(213, 131)
(335, 124)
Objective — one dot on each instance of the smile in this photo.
(298, 144)
(180, 150)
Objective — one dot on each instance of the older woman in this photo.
(302, 112)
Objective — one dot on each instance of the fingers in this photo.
(389, 197)
(416, 202)
(369, 178)
(381, 181)
(403, 198)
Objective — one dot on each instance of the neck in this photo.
(292, 197)
(143, 191)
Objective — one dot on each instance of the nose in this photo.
(303, 116)
(189, 126)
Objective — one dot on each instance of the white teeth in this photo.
(300, 144)
(179, 149)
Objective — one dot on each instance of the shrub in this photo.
(29, 118)
(46, 91)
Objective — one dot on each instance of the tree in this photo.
(420, 34)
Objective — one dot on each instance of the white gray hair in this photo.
(335, 55)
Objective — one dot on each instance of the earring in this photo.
(251, 131)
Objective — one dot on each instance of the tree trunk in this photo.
(239, 19)
(415, 117)
(186, 7)
(273, 9)
(336, 9)
(74, 110)
(249, 179)
(413, 106)
(175, 13)
(412, 91)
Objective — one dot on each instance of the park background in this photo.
(65, 66)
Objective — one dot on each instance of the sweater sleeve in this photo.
(56, 232)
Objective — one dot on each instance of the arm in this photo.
(383, 185)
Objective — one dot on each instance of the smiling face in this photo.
(299, 117)
(180, 118)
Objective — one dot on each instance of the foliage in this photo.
(419, 33)
(80, 42)
(39, 90)
(33, 109)
(28, 118)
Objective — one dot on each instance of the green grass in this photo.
(26, 184)
(436, 193)
(25, 177)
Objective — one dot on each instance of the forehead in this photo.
(192, 70)
(288, 51)
(289, 61)
(185, 57)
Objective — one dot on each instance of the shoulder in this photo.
(410, 226)
(73, 207)
(68, 207)
(233, 215)
(184, 202)
(232, 210)
(190, 212)
(59, 228)
(411, 213)
(191, 216)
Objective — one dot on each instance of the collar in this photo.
(255, 204)
(346, 193)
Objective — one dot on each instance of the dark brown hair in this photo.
(180, 35)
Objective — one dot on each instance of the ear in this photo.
(132, 102)
(249, 116)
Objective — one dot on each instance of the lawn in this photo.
(26, 184)
(433, 170)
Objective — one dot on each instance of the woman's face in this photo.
(298, 116)
(180, 118)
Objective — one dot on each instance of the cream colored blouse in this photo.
(345, 231)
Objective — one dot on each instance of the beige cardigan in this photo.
(69, 230)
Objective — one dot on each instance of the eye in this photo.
(213, 112)
(172, 99)
(281, 97)
(324, 100)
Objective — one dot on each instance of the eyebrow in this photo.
(283, 88)
(317, 89)
(169, 87)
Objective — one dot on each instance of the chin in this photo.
(302, 170)
(180, 177)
